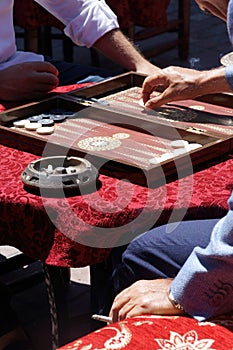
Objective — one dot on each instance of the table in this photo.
(81, 230)
(25, 222)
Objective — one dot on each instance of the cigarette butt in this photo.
(102, 318)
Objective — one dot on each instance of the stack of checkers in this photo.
(43, 124)
(178, 147)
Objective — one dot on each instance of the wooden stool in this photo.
(37, 24)
(148, 15)
(151, 18)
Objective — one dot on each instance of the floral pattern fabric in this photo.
(159, 333)
(116, 205)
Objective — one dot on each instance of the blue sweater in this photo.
(229, 69)
(204, 285)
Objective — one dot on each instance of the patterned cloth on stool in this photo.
(159, 333)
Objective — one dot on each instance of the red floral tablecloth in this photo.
(80, 230)
(72, 231)
(60, 89)
(159, 333)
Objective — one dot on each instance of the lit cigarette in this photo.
(102, 318)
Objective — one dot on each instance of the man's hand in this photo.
(177, 83)
(27, 81)
(144, 297)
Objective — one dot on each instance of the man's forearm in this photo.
(119, 49)
(213, 81)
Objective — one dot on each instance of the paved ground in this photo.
(208, 42)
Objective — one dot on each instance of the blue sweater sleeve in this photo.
(229, 69)
(229, 75)
(204, 285)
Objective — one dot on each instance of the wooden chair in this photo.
(140, 20)
(37, 26)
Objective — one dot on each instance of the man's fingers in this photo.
(45, 80)
(125, 311)
(119, 302)
(159, 100)
(152, 83)
(39, 76)
(44, 67)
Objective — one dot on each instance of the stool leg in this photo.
(45, 41)
(31, 40)
(67, 49)
(95, 61)
(101, 288)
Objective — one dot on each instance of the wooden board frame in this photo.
(215, 146)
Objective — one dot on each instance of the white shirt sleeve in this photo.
(85, 20)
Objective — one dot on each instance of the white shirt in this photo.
(85, 22)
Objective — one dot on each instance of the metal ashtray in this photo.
(60, 175)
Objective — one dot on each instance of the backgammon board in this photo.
(106, 124)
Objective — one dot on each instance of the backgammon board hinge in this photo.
(195, 130)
